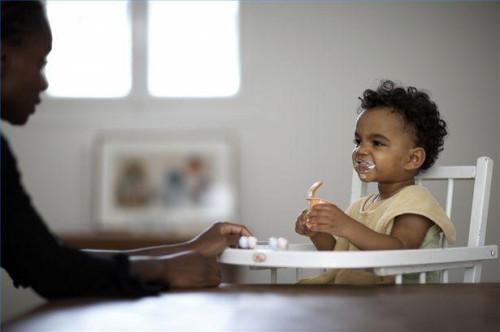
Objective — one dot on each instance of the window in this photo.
(91, 55)
(193, 48)
(183, 49)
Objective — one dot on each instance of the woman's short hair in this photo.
(21, 19)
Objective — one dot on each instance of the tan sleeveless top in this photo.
(380, 216)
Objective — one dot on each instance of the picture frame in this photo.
(178, 182)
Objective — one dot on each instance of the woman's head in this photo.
(420, 115)
(26, 41)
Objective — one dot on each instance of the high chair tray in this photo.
(306, 256)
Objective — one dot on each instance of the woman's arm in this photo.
(159, 250)
(209, 243)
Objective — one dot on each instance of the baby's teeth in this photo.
(365, 166)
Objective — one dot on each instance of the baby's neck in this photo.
(387, 190)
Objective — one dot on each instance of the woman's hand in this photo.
(180, 270)
(218, 237)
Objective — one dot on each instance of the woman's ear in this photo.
(416, 159)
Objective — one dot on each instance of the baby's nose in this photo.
(361, 149)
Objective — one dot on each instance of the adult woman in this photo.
(30, 253)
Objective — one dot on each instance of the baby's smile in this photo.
(363, 167)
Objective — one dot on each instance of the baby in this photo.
(398, 134)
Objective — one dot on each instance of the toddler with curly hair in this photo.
(398, 134)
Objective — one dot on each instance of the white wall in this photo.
(303, 67)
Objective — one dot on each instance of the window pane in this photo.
(91, 51)
(193, 48)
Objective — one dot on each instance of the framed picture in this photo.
(179, 182)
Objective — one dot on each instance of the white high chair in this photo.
(395, 262)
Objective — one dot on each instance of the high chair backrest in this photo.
(481, 174)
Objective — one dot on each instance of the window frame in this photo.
(139, 97)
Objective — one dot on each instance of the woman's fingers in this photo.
(228, 228)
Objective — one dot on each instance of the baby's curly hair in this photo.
(416, 110)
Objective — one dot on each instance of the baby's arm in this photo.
(408, 231)
(322, 241)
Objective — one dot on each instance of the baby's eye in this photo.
(356, 141)
(378, 143)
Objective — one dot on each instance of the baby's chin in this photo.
(363, 177)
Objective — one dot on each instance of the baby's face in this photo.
(382, 146)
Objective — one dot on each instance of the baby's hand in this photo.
(301, 226)
(328, 218)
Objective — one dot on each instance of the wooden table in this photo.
(452, 307)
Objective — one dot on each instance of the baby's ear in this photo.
(416, 159)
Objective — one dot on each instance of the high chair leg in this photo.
(422, 278)
(274, 275)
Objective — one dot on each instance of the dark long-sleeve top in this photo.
(35, 258)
